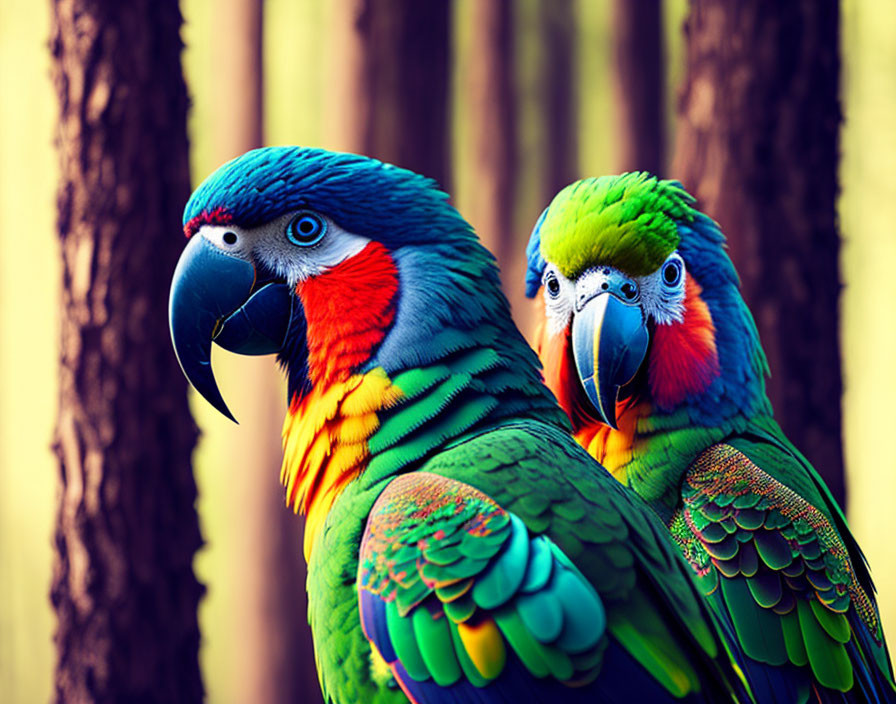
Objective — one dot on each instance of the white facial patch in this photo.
(269, 245)
(600, 279)
(559, 299)
(229, 239)
(663, 291)
(660, 294)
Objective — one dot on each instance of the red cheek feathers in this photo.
(348, 310)
(560, 375)
(683, 358)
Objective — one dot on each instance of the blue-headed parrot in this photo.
(459, 541)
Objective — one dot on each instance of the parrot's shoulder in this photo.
(785, 573)
(543, 477)
(731, 502)
(767, 453)
(775, 456)
(455, 593)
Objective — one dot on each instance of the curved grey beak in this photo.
(212, 299)
(610, 340)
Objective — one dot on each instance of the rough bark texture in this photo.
(276, 661)
(757, 144)
(638, 85)
(123, 585)
(393, 100)
(559, 96)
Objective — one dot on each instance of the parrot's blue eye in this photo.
(306, 229)
(672, 272)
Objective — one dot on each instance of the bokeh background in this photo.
(289, 75)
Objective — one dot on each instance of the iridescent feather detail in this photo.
(777, 565)
(723, 484)
(451, 584)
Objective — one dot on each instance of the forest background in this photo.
(504, 102)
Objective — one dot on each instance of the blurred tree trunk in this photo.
(557, 160)
(391, 99)
(757, 144)
(558, 82)
(126, 531)
(488, 82)
(276, 658)
(638, 85)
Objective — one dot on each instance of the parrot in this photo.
(460, 545)
(653, 354)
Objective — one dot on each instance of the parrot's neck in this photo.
(408, 351)
(651, 451)
(657, 442)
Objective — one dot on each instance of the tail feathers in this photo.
(870, 682)
(621, 680)
(784, 684)
(775, 684)
(791, 684)
(872, 679)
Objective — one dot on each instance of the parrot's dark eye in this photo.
(552, 285)
(672, 272)
(306, 229)
(229, 237)
(629, 290)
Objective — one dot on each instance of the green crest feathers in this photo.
(628, 222)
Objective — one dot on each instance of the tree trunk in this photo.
(489, 83)
(757, 144)
(638, 85)
(126, 533)
(558, 83)
(392, 100)
(556, 164)
(275, 659)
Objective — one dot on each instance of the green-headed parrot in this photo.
(453, 524)
(651, 351)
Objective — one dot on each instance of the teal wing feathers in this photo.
(450, 584)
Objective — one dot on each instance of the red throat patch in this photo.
(683, 357)
(561, 377)
(612, 448)
(348, 310)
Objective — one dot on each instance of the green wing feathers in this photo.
(543, 477)
(450, 582)
(782, 569)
